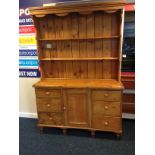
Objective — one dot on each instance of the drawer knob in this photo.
(106, 123)
(106, 107)
(47, 93)
(64, 108)
(48, 105)
(106, 95)
(50, 118)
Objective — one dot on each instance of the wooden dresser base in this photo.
(92, 108)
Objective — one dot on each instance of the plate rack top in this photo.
(83, 7)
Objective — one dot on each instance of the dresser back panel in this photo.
(75, 25)
(80, 70)
(79, 46)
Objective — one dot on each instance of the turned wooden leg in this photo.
(118, 135)
(40, 129)
(64, 131)
(93, 134)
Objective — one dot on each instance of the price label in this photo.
(48, 45)
(124, 55)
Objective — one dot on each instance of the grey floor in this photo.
(77, 142)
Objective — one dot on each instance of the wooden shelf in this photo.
(57, 39)
(80, 83)
(79, 59)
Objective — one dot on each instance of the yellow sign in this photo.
(27, 40)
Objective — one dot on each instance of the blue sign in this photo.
(29, 73)
(29, 62)
(28, 66)
(25, 3)
(25, 20)
(28, 53)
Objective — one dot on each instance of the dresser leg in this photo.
(64, 131)
(118, 135)
(93, 134)
(40, 129)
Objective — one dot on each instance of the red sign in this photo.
(26, 29)
(128, 74)
(130, 7)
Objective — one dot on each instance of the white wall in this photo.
(27, 105)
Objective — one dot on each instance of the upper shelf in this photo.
(80, 59)
(103, 37)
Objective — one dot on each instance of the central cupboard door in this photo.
(76, 108)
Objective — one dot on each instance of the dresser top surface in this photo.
(79, 83)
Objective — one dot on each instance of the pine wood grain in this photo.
(79, 52)
(80, 83)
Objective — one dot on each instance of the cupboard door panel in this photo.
(76, 106)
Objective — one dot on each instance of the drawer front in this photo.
(48, 93)
(48, 105)
(107, 123)
(106, 108)
(106, 95)
(50, 118)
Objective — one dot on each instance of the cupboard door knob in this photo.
(48, 105)
(106, 107)
(106, 95)
(47, 93)
(50, 118)
(64, 108)
(106, 123)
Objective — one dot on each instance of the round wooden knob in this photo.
(105, 123)
(106, 107)
(64, 108)
(47, 93)
(48, 105)
(106, 95)
(50, 118)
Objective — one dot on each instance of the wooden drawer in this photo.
(48, 105)
(106, 95)
(48, 93)
(107, 123)
(106, 108)
(50, 118)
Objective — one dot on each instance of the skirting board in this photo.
(128, 116)
(34, 115)
(28, 115)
